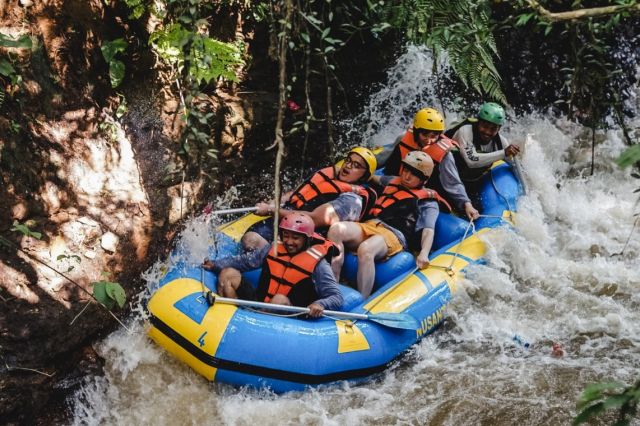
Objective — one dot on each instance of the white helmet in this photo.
(419, 161)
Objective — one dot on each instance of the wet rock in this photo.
(57, 247)
(595, 250)
(109, 242)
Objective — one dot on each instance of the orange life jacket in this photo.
(287, 273)
(398, 208)
(323, 186)
(395, 192)
(436, 151)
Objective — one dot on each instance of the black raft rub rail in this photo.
(291, 376)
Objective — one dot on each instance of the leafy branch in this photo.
(462, 29)
(593, 12)
(599, 397)
(194, 60)
(116, 67)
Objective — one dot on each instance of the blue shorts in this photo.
(348, 206)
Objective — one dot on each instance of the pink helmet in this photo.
(298, 222)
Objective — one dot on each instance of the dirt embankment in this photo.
(96, 187)
(93, 186)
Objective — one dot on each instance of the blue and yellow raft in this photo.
(244, 347)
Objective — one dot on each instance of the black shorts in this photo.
(263, 228)
(246, 291)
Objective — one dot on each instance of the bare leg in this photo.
(324, 215)
(228, 282)
(369, 251)
(344, 233)
(253, 241)
(280, 299)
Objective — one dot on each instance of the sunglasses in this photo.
(349, 161)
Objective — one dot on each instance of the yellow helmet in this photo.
(428, 119)
(368, 156)
(419, 161)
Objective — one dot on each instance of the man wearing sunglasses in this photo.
(427, 136)
(330, 195)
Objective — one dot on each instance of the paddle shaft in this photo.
(238, 210)
(262, 305)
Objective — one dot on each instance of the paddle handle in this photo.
(238, 210)
(287, 308)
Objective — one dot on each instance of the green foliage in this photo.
(629, 157)
(116, 67)
(109, 293)
(195, 60)
(137, 8)
(599, 397)
(208, 59)
(7, 68)
(68, 259)
(22, 42)
(25, 229)
(460, 28)
(591, 73)
(14, 126)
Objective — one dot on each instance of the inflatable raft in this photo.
(246, 347)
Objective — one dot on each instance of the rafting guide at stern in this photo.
(480, 145)
(295, 271)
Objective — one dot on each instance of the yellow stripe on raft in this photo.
(472, 247)
(206, 335)
(350, 338)
(399, 297)
(509, 216)
(237, 228)
(408, 291)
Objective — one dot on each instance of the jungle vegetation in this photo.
(580, 56)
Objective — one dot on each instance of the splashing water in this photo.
(558, 278)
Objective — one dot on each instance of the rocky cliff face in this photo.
(89, 175)
(93, 187)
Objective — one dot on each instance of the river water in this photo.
(566, 275)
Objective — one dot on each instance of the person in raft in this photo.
(480, 145)
(403, 217)
(295, 271)
(427, 136)
(330, 195)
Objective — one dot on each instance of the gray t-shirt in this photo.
(474, 158)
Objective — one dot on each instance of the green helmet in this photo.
(491, 112)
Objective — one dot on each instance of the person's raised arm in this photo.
(268, 208)
(243, 262)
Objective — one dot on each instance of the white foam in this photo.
(556, 279)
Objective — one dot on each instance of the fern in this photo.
(462, 29)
